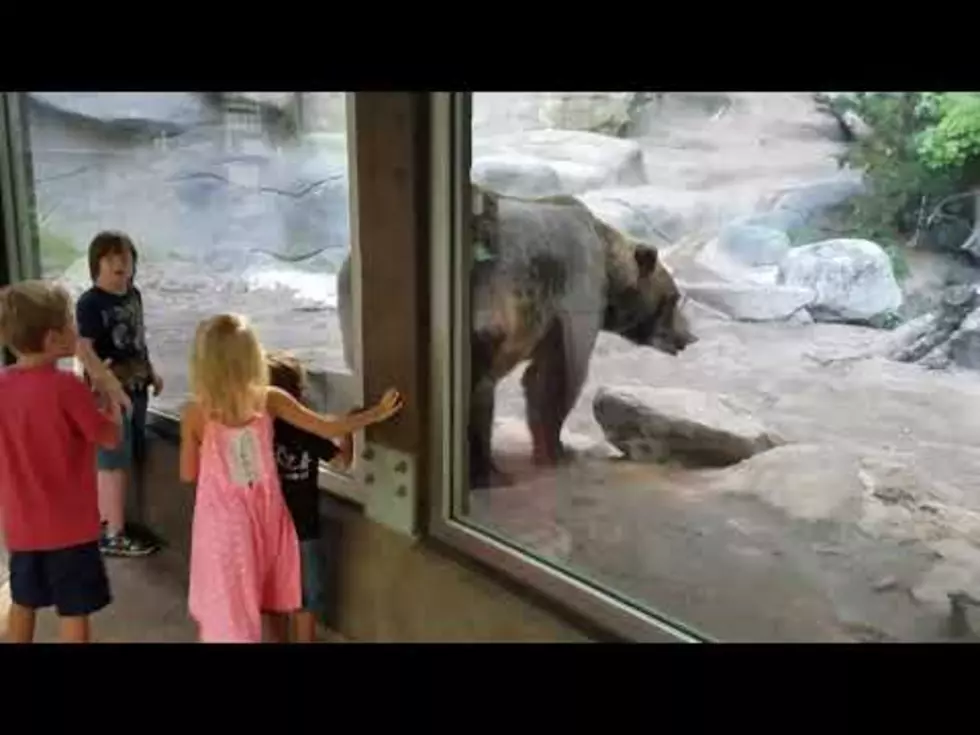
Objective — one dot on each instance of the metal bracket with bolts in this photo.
(389, 477)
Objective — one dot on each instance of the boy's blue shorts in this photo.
(133, 426)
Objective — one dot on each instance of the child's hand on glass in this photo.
(389, 405)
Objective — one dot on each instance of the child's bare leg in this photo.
(304, 627)
(74, 629)
(112, 500)
(20, 624)
(276, 627)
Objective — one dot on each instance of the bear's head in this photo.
(642, 299)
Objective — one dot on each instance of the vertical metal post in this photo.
(17, 206)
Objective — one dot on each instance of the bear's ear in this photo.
(646, 259)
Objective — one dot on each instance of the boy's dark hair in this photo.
(105, 243)
(28, 311)
(286, 372)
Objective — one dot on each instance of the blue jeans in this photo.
(133, 426)
(314, 573)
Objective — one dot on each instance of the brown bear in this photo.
(547, 276)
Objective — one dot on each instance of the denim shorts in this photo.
(73, 580)
(314, 575)
(133, 428)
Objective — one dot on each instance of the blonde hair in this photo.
(229, 374)
(29, 310)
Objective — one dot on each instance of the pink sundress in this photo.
(244, 549)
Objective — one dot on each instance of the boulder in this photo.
(784, 220)
(516, 175)
(808, 201)
(652, 214)
(852, 279)
(694, 428)
(611, 113)
(580, 160)
(963, 347)
(948, 335)
(810, 482)
(751, 302)
(148, 112)
(753, 245)
(746, 252)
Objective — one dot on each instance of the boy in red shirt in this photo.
(50, 425)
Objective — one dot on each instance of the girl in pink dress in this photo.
(244, 549)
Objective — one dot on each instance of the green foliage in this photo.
(953, 141)
(923, 150)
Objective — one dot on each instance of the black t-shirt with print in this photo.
(298, 457)
(114, 323)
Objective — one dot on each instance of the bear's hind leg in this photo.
(545, 383)
(483, 471)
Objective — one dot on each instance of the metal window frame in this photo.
(451, 151)
(21, 252)
(350, 486)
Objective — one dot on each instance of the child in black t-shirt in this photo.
(110, 329)
(298, 457)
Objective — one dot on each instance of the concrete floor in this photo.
(150, 604)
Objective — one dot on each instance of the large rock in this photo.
(516, 175)
(653, 214)
(150, 112)
(696, 429)
(746, 252)
(754, 245)
(580, 160)
(963, 347)
(611, 113)
(950, 334)
(751, 302)
(852, 279)
(802, 204)
(809, 482)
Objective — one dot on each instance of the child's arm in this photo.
(88, 317)
(190, 442)
(283, 406)
(99, 426)
(345, 446)
(102, 377)
(345, 452)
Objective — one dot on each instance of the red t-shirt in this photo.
(49, 422)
